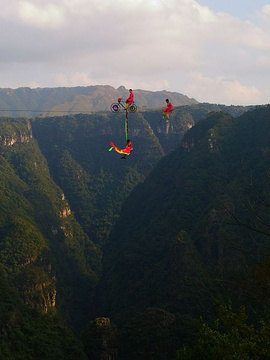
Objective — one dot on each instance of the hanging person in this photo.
(124, 152)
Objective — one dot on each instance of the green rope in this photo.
(126, 126)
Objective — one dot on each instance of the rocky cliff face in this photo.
(43, 248)
(11, 133)
(100, 339)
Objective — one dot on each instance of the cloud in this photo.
(220, 90)
(135, 42)
(75, 79)
(49, 16)
(84, 79)
(264, 14)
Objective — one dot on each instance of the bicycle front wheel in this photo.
(132, 108)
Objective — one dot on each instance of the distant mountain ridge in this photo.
(29, 102)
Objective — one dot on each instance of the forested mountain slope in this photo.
(183, 235)
(46, 258)
(62, 191)
(95, 181)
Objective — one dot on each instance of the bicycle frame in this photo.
(116, 107)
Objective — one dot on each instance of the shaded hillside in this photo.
(28, 334)
(95, 181)
(182, 119)
(174, 246)
(46, 259)
(64, 100)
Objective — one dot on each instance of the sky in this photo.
(215, 51)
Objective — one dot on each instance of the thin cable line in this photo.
(41, 111)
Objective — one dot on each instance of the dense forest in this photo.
(160, 256)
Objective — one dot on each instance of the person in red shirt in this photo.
(130, 99)
(167, 110)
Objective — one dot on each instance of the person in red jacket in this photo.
(167, 110)
(130, 99)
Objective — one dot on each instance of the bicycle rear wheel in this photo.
(115, 107)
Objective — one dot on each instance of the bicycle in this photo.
(116, 107)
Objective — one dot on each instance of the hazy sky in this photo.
(215, 51)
